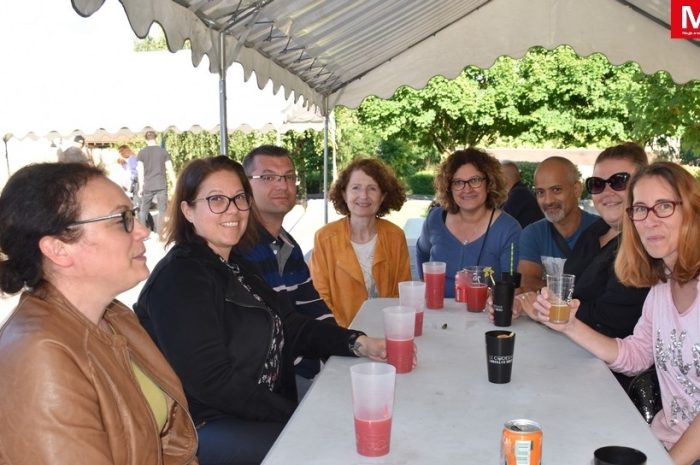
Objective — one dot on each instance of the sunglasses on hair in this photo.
(618, 182)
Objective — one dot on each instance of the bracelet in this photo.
(353, 345)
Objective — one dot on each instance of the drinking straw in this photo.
(512, 247)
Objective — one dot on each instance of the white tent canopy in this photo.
(63, 75)
(346, 50)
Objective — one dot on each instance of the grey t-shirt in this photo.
(153, 158)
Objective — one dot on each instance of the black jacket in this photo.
(522, 205)
(607, 305)
(216, 335)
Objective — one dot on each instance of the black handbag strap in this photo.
(561, 242)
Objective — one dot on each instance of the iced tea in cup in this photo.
(372, 406)
(561, 289)
(477, 289)
(434, 277)
(412, 294)
(399, 328)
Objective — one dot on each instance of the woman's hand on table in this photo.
(374, 348)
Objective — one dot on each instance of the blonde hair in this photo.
(633, 265)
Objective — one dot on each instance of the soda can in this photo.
(521, 443)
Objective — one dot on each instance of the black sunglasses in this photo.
(617, 181)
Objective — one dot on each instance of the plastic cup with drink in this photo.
(560, 290)
(477, 289)
(399, 330)
(373, 406)
(434, 277)
(412, 294)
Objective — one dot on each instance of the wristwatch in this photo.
(353, 345)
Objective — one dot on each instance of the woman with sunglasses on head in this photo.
(469, 229)
(660, 236)
(81, 380)
(229, 336)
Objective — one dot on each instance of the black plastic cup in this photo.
(503, 293)
(499, 355)
(618, 455)
(511, 278)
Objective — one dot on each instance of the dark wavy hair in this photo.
(495, 181)
(180, 231)
(633, 265)
(38, 200)
(382, 174)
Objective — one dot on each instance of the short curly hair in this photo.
(484, 162)
(383, 175)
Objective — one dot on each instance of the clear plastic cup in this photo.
(434, 277)
(373, 406)
(399, 330)
(412, 294)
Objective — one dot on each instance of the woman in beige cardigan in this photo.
(361, 256)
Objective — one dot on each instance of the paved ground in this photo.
(302, 224)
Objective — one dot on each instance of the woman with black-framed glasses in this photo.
(230, 337)
(660, 236)
(81, 380)
(469, 228)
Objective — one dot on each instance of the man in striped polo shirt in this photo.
(277, 255)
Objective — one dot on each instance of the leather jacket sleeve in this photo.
(53, 414)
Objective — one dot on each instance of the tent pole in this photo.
(7, 155)
(223, 130)
(325, 159)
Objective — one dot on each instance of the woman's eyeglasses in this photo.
(127, 219)
(662, 209)
(618, 182)
(474, 182)
(219, 203)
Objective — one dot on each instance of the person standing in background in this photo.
(155, 169)
(75, 153)
(132, 173)
(521, 203)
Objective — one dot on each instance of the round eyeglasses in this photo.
(474, 182)
(618, 182)
(127, 219)
(219, 203)
(662, 209)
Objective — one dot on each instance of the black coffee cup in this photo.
(618, 455)
(502, 298)
(511, 278)
(499, 355)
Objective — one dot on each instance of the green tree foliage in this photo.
(306, 149)
(186, 145)
(662, 111)
(568, 100)
(553, 97)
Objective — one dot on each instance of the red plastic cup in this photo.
(412, 294)
(399, 330)
(373, 405)
(476, 297)
(434, 277)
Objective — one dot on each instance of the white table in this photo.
(446, 411)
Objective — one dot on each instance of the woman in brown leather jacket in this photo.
(81, 381)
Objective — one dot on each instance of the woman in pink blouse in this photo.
(660, 238)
